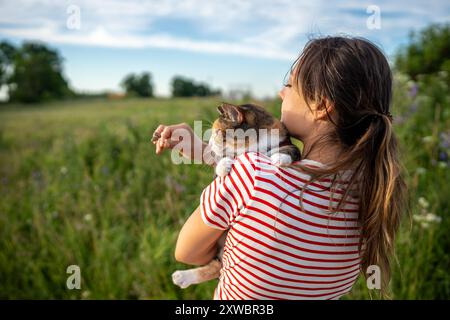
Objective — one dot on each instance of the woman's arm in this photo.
(197, 242)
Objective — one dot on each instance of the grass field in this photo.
(81, 184)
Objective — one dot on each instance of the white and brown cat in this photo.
(240, 129)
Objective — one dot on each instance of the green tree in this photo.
(7, 53)
(183, 87)
(37, 74)
(428, 52)
(139, 85)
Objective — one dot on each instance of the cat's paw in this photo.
(184, 278)
(280, 159)
(224, 166)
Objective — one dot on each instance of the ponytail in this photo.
(382, 195)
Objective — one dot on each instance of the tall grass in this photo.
(80, 184)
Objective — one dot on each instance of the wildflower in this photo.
(431, 217)
(85, 294)
(413, 88)
(444, 149)
(427, 139)
(442, 164)
(423, 202)
(88, 217)
(426, 218)
(421, 170)
(443, 73)
(63, 170)
(171, 183)
(78, 226)
(414, 107)
(400, 119)
(425, 224)
(443, 156)
(105, 170)
(37, 175)
(444, 140)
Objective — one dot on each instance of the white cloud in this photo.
(126, 24)
(101, 37)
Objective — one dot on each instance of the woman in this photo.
(351, 190)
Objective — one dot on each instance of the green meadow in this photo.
(80, 184)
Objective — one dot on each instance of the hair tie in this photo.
(389, 115)
(381, 114)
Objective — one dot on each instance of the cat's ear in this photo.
(231, 113)
(220, 110)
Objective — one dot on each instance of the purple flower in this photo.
(414, 107)
(105, 170)
(413, 90)
(37, 175)
(408, 113)
(444, 140)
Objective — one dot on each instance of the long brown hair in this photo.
(353, 75)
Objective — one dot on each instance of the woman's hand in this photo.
(180, 135)
(162, 137)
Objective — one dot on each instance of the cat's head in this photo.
(242, 128)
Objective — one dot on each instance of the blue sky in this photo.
(229, 44)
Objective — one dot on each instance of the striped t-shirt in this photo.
(274, 249)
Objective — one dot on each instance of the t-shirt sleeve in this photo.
(223, 199)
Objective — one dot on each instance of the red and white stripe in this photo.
(275, 249)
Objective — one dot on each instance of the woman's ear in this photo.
(323, 110)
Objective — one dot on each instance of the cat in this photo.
(265, 134)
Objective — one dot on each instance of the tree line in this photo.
(142, 85)
(33, 73)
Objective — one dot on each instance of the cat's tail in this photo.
(184, 278)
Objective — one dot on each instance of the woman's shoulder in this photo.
(260, 170)
(259, 167)
(261, 163)
(254, 173)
